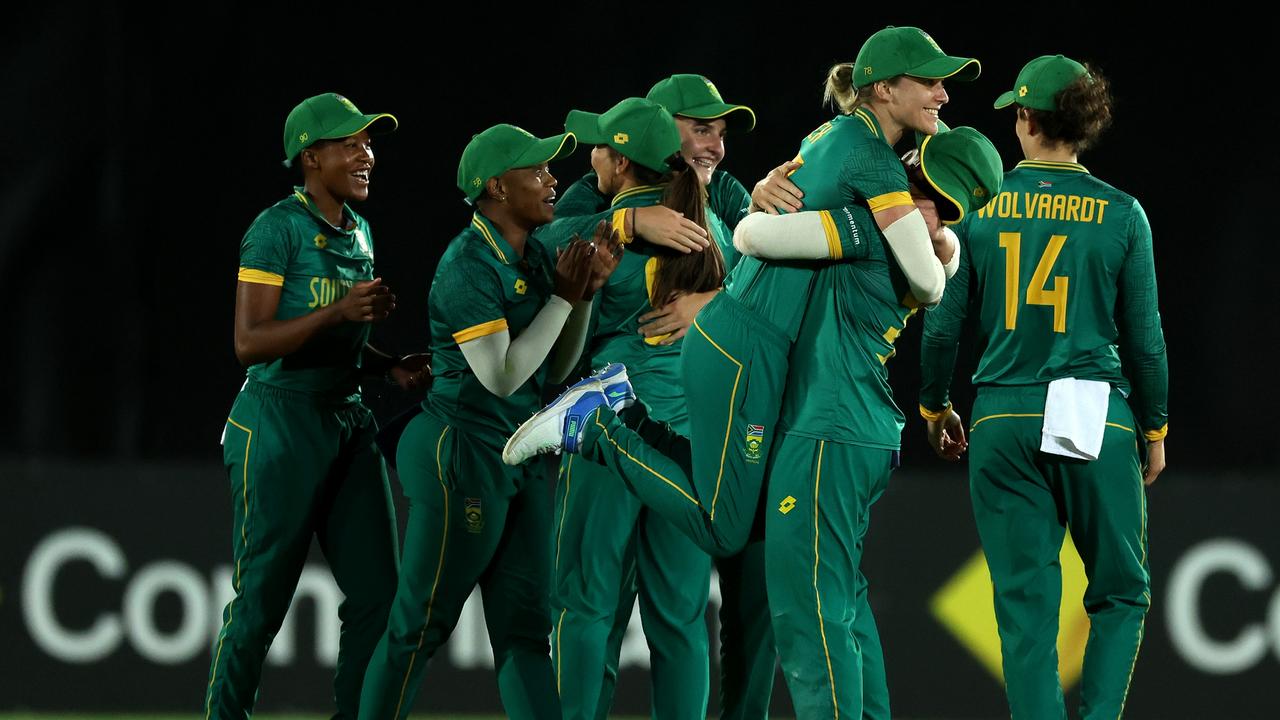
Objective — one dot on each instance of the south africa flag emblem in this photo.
(755, 438)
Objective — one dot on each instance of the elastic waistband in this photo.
(731, 307)
(262, 390)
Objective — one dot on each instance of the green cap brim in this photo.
(952, 176)
(546, 150)
(385, 123)
(585, 127)
(956, 68)
(938, 179)
(738, 118)
(1006, 99)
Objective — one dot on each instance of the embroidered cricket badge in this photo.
(1044, 184)
(755, 438)
(474, 516)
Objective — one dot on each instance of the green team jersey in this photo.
(290, 245)
(838, 385)
(726, 196)
(654, 370)
(1058, 274)
(483, 286)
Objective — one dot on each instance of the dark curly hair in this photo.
(1083, 114)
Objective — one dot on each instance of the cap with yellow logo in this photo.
(642, 130)
(502, 148)
(910, 51)
(328, 117)
(1040, 81)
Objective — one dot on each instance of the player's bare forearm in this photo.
(260, 337)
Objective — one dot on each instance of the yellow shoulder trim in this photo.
(888, 200)
(1154, 435)
(260, 277)
(481, 330)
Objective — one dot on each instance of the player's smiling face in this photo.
(914, 103)
(531, 194)
(701, 144)
(345, 166)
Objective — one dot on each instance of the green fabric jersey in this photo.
(1058, 274)
(483, 286)
(654, 370)
(290, 245)
(838, 385)
(726, 196)
(778, 291)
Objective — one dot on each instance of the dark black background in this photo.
(139, 146)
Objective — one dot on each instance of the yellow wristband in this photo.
(620, 224)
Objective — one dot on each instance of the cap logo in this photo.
(475, 182)
(303, 137)
(867, 71)
(348, 105)
(979, 192)
(931, 42)
(1022, 91)
(621, 138)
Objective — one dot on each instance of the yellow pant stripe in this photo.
(728, 428)
(822, 630)
(244, 540)
(653, 472)
(444, 540)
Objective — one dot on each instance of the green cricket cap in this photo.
(696, 97)
(503, 147)
(896, 51)
(640, 129)
(328, 117)
(1040, 81)
(964, 167)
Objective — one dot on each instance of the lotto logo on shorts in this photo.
(473, 514)
(786, 505)
(755, 438)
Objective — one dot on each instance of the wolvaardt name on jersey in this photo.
(325, 291)
(1046, 206)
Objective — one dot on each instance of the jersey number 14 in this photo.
(1038, 292)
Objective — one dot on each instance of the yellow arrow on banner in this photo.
(965, 607)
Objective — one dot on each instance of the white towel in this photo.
(1075, 416)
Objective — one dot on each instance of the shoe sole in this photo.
(567, 400)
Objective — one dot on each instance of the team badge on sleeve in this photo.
(471, 511)
(755, 438)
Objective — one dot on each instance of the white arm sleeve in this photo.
(908, 239)
(572, 339)
(954, 263)
(795, 236)
(501, 364)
